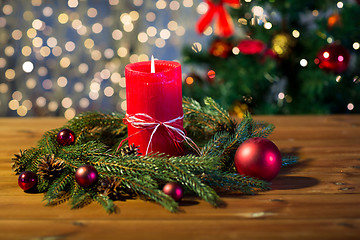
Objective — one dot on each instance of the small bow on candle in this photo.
(144, 121)
(223, 26)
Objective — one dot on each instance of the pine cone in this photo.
(50, 167)
(129, 150)
(111, 187)
(17, 166)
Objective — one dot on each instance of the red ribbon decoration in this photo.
(175, 131)
(223, 26)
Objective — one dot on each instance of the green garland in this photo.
(123, 174)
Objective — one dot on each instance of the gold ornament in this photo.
(282, 44)
(239, 109)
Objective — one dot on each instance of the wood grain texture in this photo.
(319, 198)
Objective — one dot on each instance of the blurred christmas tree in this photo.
(285, 56)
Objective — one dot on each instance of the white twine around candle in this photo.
(144, 121)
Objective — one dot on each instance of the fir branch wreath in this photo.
(124, 174)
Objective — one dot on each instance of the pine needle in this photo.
(97, 138)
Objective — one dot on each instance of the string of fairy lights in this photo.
(65, 57)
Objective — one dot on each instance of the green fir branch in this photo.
(223, 117)
(108, 128)
(81, 199)
(105, 202)
(61, 198)
(48, 142)
(232, 182)
(25, 159)
(192, 182)
(42, 184)
(289, 160)
(213, 147)
(59, 185)
(130, 175)
(149, 192)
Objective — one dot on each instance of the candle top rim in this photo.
(161, 66)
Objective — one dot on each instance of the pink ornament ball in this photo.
(86, 176)
(259, 158)
(174, 190)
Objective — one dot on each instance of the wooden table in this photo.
(317, 199)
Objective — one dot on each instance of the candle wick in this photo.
(152, 64)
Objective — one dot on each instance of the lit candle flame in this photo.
(152, 64)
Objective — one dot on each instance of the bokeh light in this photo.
(65, 62)
(41, 101)
(63, 18)
(16, 34)
(70, 46)
(73, 3)
(47, 11)
(7, 9)
(9, 51)
(62, 81)
(10, 74)
(161, 4)
(31, 33)
(296, 33)
(211, 74)
(70, 113)
(350, 106)
(189, 80)
(47, 84)
(188, 3)
(30, 83)
(28, 66)
(117, 34)
(150, 16)
(356, 45)
(303, 62)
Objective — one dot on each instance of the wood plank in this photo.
(270, 206)
(317, 199)
(155, 229)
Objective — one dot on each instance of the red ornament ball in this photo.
(258, 158)
(65, 137)
(27, 180)
(174, 190)
(333, 57)
(86, 176)
(251, 47)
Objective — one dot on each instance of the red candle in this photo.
(154, 100)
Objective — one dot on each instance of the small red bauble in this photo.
(174, 190)
(249, 46)
(65, 137)
(334, 58)
(86, 176)
(27, 180)
(258, 158)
